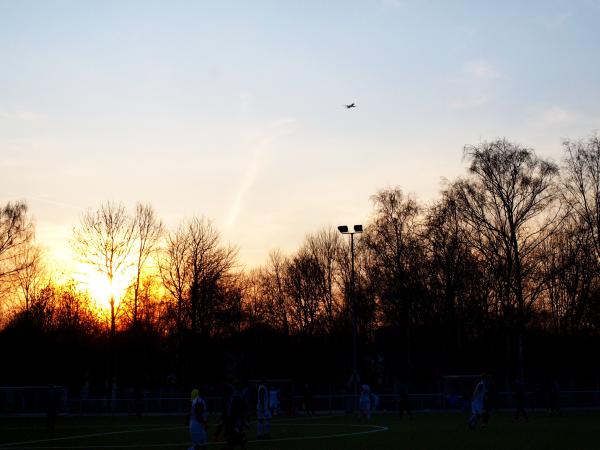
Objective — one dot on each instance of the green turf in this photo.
(571, 431)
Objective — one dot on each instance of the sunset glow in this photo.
(99, 287)
(252, 132)
(340, 211)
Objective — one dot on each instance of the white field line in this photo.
(79, 436)
(373, 429)
(133, 430)
(64, 427)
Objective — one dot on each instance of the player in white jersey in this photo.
(198, 422)
(477, 402)
(364, 402)
(263, 413)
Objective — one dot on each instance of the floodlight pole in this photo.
(353, 303)
(344, 230)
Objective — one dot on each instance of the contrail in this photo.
(48, 200)
(280, 128)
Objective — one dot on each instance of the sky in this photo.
(234, 109)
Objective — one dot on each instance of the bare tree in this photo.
(506, 204)
(275, 273)
(325, 247)
(173, 270)
(255, 304)
(104, 240)
(72, 308)
(395, 254)
(209, 264)
(16, 236)
(582, 185)
(305, 290)
(452, 269)
(16, 232)
(568, 261)
(195, 268)
(30, 279)
(148, 230)
(266, 298)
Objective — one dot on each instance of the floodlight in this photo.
(344, 230)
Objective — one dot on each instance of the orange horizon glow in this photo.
(99, 287)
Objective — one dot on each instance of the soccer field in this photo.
(571, 431)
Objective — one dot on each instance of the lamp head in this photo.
(358, 228)
(343, 228)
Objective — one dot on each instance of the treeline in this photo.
(500, 274)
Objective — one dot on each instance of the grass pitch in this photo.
(570, 431)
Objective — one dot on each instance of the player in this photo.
(263, 412)
(51, 407)
(520, 400)
(374, 401)
(274, 401)
(489, 400)
(198, 422)
(307, 399)
(228, 392)
(554, 400)
(404, 402)
(477, 402)
(235, 422)
(364, 403)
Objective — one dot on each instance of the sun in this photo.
(100, 288)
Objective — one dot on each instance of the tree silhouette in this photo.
(104, 240)
(147, 232)
(505, 203)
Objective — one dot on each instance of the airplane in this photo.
(351, 105)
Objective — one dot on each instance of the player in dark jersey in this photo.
(236, 423)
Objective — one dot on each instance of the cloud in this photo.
(469, 102)
(480, 70)
(555, 22)
(11, 153)
(21, 115)
(554, 115)
(476, 85)
(393, 3)
(246, 100)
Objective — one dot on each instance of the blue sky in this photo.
(234, 110)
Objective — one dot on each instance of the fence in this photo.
(33, 401)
